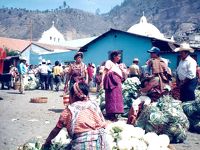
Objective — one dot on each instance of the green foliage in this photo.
(11, 52)
(165, 117)
(192, 110)
(58, 146)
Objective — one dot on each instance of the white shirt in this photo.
(187, 68)
(113, 67)
(134, 69)
(43, 69)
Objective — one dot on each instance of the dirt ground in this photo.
(21, 120)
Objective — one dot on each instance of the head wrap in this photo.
(78, 54)
(78, 92)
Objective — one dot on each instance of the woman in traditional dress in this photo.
(77, 71)
(112, 83)
(83, 120)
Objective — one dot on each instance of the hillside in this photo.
(171, 17)
(73, 23)
(178, 18)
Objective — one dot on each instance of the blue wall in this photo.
(132, 46)
(62, 57)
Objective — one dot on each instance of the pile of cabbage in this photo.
(60, 142)
(165, 117)
(31, 82)
(192, 110)
(130, 91)
(119, 135)
(122, 136)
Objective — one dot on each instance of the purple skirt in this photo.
(114, 99)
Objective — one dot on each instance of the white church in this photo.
(52, 36)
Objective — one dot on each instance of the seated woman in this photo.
(157, 83)
(83, 121)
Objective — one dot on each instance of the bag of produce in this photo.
(165, 117)
(192, 110)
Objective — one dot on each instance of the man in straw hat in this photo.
(186, 73)
(22, 72)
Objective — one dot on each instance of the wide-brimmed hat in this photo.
(136, 59)
(154, 50)
(43, 61)
(93, 65)
(48, 62)
(184, 47)
(22, 58)
(78, 54)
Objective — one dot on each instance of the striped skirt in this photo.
(92, 140)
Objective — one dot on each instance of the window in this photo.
(50, 38)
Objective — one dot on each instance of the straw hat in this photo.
(22, 58)
(78, 54)
(48, 62)
(184, 47)
(43, 61)
(136, 59)
(93, 65)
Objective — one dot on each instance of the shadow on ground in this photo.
(56, 110)
(13, 92)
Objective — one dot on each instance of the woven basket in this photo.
(171, 147)
(93, 89)
(39, 100)
(16, 85)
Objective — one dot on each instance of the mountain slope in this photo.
(173, 18)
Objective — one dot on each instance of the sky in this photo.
(86, 5)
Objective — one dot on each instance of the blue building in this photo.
(131, 46)
(35, 52)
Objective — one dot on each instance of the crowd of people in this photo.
(82, 118)
(156, 79)
(155, 75)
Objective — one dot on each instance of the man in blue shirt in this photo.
(22, 72)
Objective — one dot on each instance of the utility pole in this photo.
(31, 32)
(31, 29)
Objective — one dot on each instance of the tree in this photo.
(97, 12)
(64, 4)
(20, 14)
(10, 52)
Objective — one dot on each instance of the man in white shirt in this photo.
(134, 69)
(43, 70)
(186, 73)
